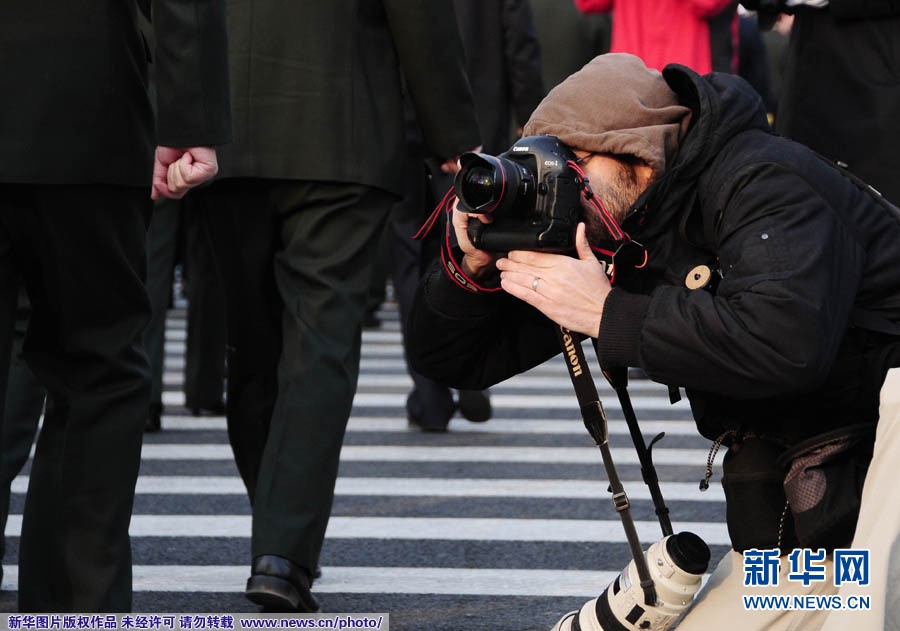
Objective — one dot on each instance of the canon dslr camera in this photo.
(530, 191)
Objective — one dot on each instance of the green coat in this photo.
(73, 76)
(316, 88)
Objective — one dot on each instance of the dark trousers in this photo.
(24, 404)
(162, 242)
(204, 366)
(296, 260)
(81, 251)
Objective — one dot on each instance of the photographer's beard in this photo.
(617, 194)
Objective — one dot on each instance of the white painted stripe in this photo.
(402, 580)
(524, 488)
(377, 453)
(175, 347)
(552, 368)
(430, 487)
(419, 528)
(373, 580)
(380, 336)
(528, 426)
(458, 425)
(643, 404)
(367, 363)
(530, 381)
(495, 426)
(531, 401)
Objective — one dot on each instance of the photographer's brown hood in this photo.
(615, 104)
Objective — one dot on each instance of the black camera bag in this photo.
(753, 481)
(824, 482)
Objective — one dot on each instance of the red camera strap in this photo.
(451, 266)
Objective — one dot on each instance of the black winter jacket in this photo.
(798, 245)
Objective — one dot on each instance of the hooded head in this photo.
(615, 105)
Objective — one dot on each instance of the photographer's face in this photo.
(616, 182)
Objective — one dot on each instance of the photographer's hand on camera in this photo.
(475, 263)
(570, 291)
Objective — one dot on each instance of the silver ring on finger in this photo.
(535, 282)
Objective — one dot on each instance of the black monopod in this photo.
(597, 426)
(670, 573)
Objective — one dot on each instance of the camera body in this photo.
(676, 564)
(530, 191)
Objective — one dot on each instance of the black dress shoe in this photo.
(280, 586)
(154, 418)
(429, 407)
(475, 405)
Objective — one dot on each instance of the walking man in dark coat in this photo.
(76, 158)
(318, 160)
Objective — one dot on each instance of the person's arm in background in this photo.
(523, 59)
(193, 103)
(430, 50)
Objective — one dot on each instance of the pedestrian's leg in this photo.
(162, 242)
(24, 404)
(85, 276)
(10, 445)
(237, 217)
(204, 370)
(330, 237)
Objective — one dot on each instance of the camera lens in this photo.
(492, 184)
(478, 186)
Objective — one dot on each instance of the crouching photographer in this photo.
(758, 276)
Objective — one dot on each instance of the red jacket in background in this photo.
(661, 31)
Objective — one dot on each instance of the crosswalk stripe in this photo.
(530, 382)
(425, 487)
(417, 528)
(536, 401)
(523, 426)
(374, 580)
(409, 580)
(379, 453)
